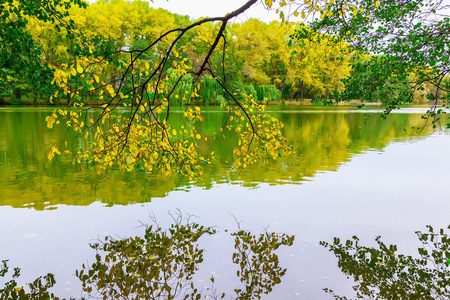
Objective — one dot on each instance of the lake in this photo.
(349, 175)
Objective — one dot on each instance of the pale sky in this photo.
(214, 8)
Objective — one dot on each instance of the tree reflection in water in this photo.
(38, 289)
(259, 265)
(161, 265)
(382, 273)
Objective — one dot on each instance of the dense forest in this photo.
(260, 59)
(273, 62)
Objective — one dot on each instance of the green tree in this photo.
(404, 37)
(20, 55)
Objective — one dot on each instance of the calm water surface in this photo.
(349, 176)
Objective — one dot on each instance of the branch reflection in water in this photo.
(382, 273)
(161, 265)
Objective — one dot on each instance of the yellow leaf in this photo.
(98, 169)
(174, 132)
(73, 72)
(110, 89)
(296, 13)
(198, 136)
(79, 69)
(147, 65)
(96, 78)
(50, 154)
(50, 120)
(377, 4)
(303, 15)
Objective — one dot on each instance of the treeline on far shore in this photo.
(260, 59)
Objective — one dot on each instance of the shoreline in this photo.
(306, 102)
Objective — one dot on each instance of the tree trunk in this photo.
(324, 78)
(17, 94)
(292, 94)
(301, 91)
(283, 84)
